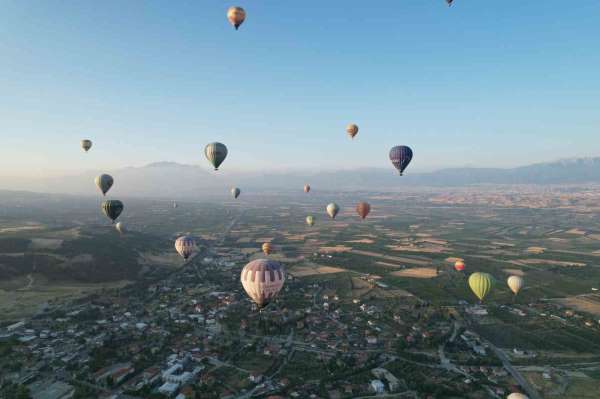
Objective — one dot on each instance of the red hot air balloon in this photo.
(459, 266)
(363, 209)
(306, 188)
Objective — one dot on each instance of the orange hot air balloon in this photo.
(352, 130)
(267, 248)
(236, 16)
(306, 188)
(459, 266)
(363, 209)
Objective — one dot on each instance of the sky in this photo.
(482, 83)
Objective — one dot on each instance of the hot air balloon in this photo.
(262, 280)
(185, 246)
(236, 16)
(310, 220)
(515, 283)
(352, 130)
(86, 145)
(401, 156)
(112, 209)
(481, 284)
(332, 210)
(174, 204)
(104, 183)
(459, 265)
(235, 192)
(449, 2)
(306, 188)
(121, 228)
(216, 154)
(267, 248)
(517, 395)
(363, 209)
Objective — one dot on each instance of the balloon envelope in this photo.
(352, 130)
(121, 228)
(310, 220)
(332, 210)
(104, 183)
(86, 145)
(363, 209)
(112, 209)
(517, 395)
(267, 248)
(401, 156)
(262, 280)
(481, 284)
(515, 283)
(216, 154)
(459, 265)
(235, 192)
(236, 16)
(185, 246)
(306, 188)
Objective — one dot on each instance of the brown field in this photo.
(426, 250)
(584, 303)
(454, 260)
(303, 271)
(515, 272)
(386, 264)
(547, 262)
(392, 258)
(168, 258)
(576, 231)
(536, 250)
(418, 272)
(361, 241)
(336, 249)
(435, 241)
(502, 244)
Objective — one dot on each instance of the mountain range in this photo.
(173, 180)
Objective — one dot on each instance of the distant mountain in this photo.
(173, 180)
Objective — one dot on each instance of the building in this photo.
(377, 386)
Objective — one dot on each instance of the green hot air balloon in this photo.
(112, 209)
(216, 154)
(104, 183)
(481, 284)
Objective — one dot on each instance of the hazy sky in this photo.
(483, 83)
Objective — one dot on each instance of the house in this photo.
(377, 386)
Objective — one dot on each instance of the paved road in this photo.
(527, 387)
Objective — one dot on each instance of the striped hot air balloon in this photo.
(363, 209)
(86, 145)
(401, 156)
(185, 246)
(236, 16)
(112, 209)
(104, 182)
(459, 265)
(332, 210)
(267, 248)
(481, 284)
(216, 154)
(262, 280)
(352, 130)
(306, 188)
(235, 192)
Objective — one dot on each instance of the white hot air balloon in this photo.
(515, 283)
(262, 280)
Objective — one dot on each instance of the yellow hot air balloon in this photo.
(481, 284)
(310, 220)
(515, 283)
(352, 130)
(267, 248)
(236, 16)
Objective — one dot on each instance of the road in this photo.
(527, 387)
